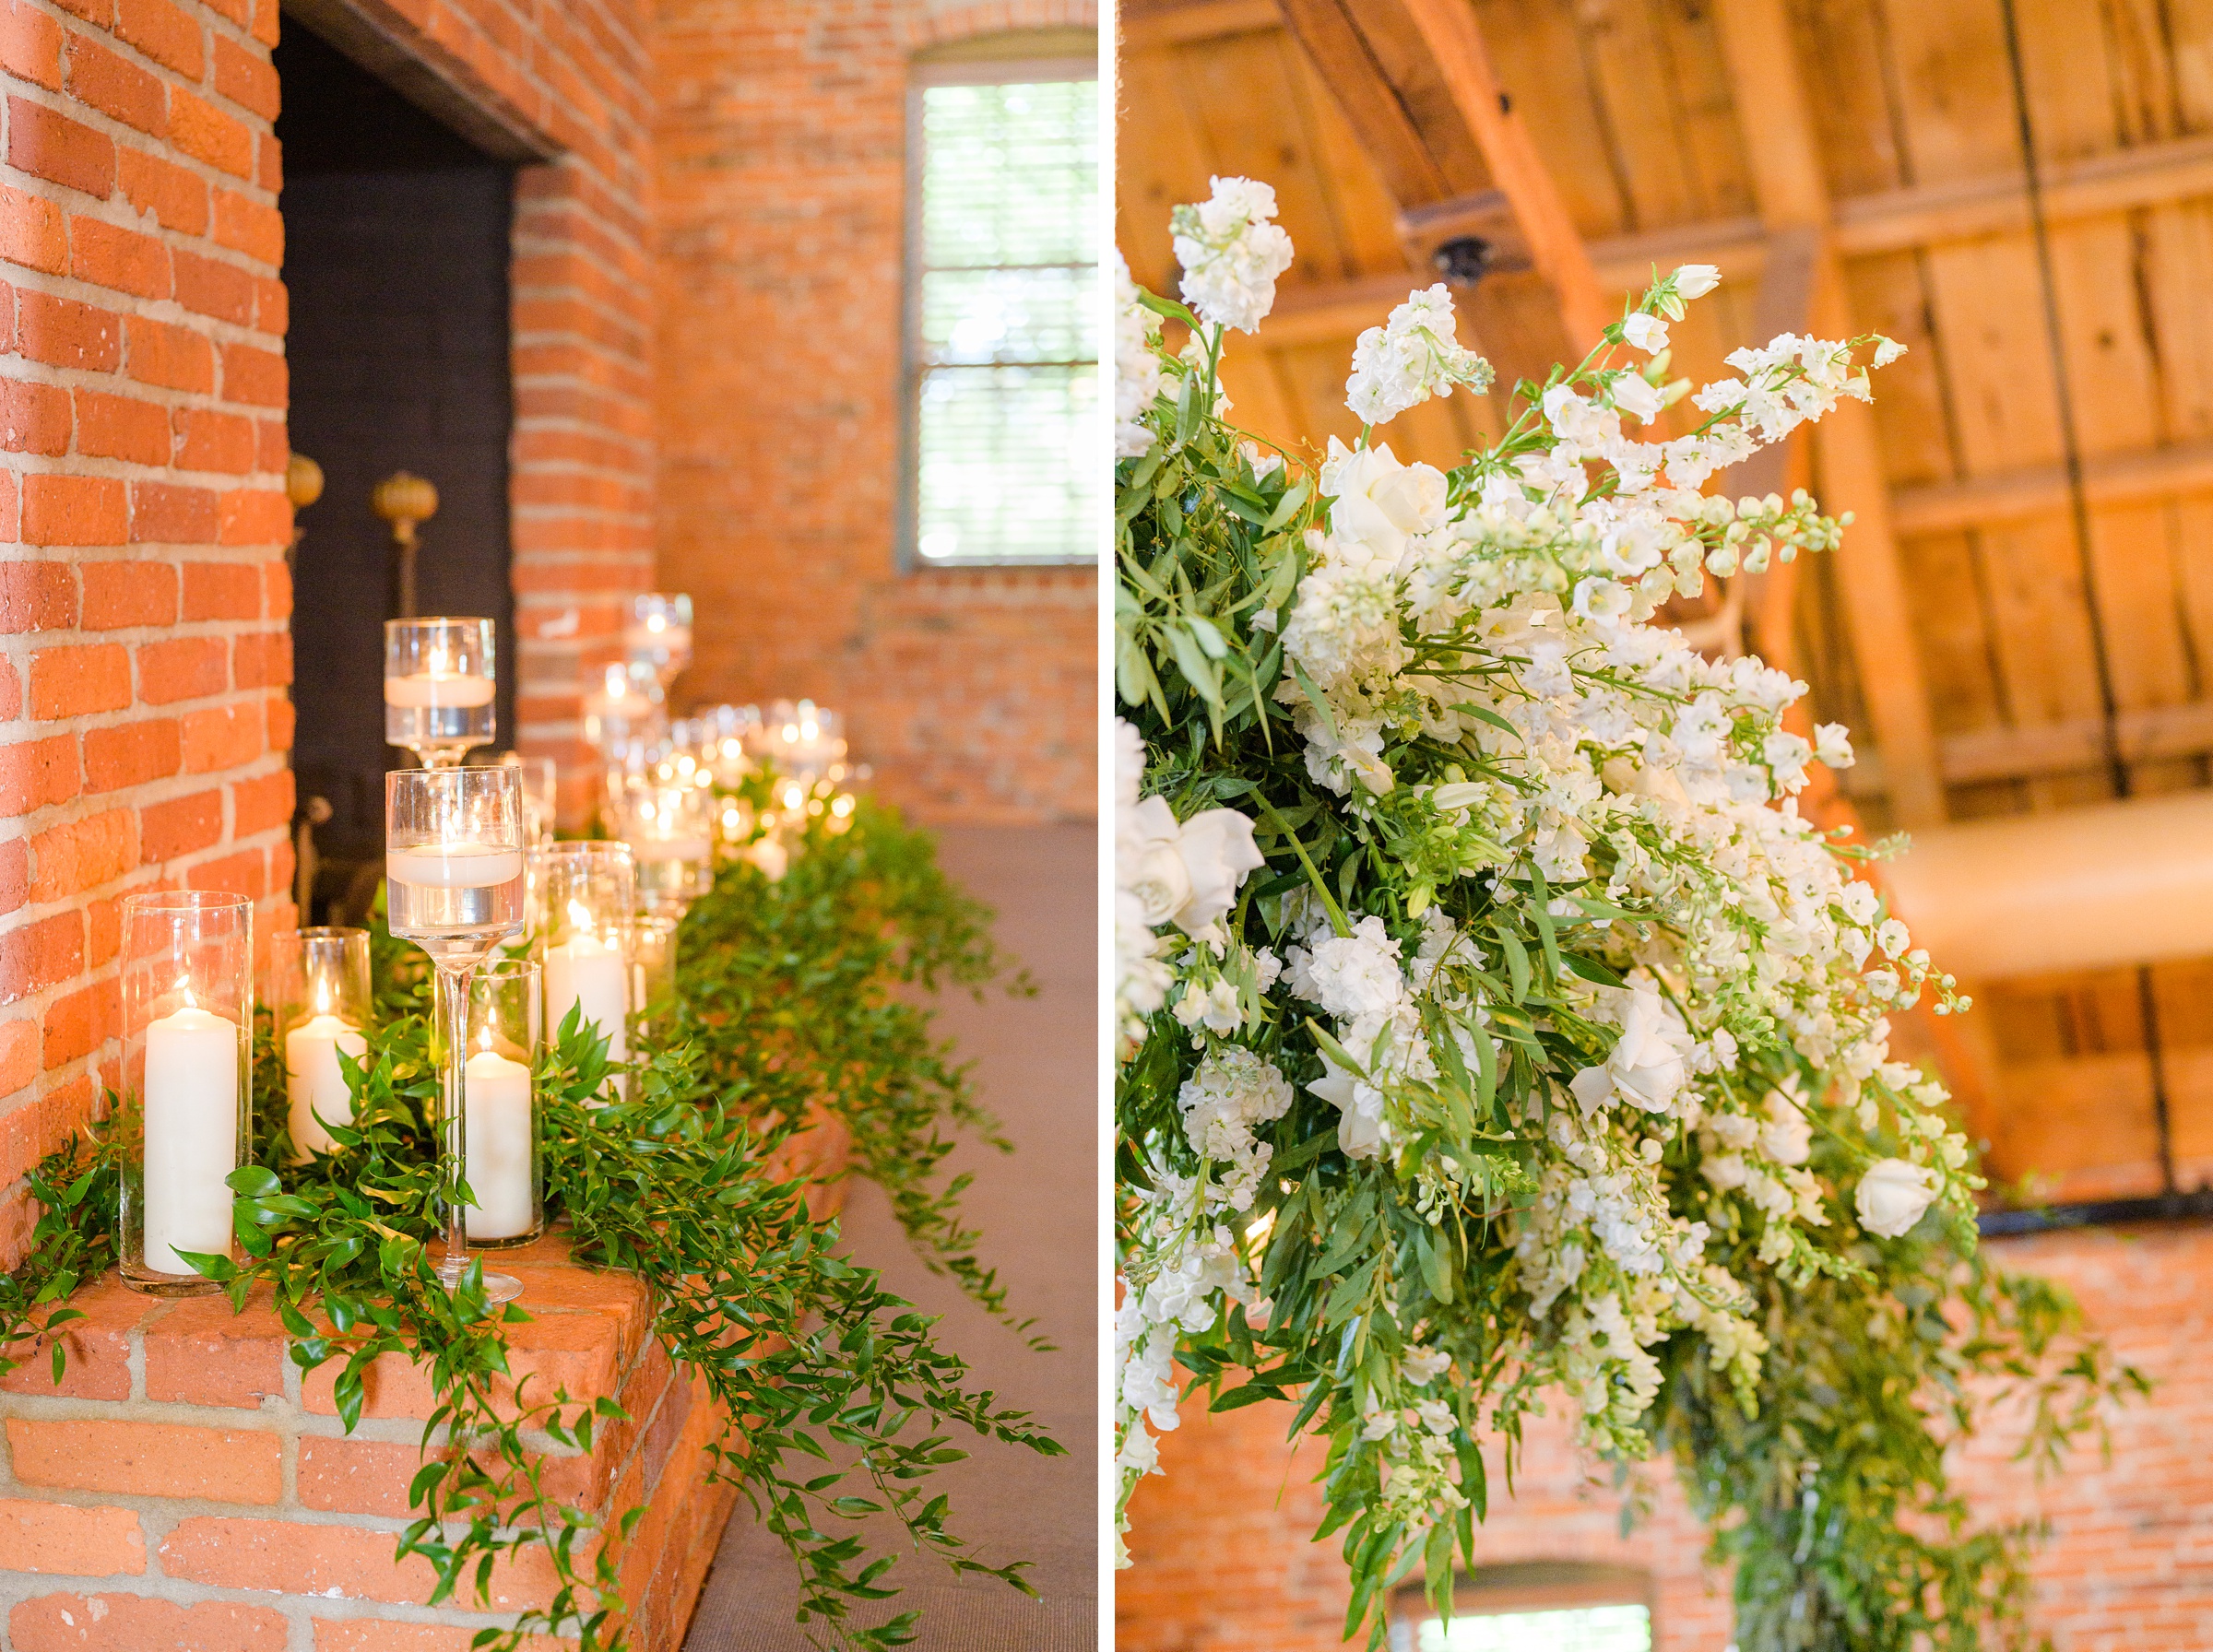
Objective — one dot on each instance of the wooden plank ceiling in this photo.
(2021, 191)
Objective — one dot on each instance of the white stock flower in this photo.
(1231, 253)
(1351, 977)
(1414, 356)
(1137, 371)
(1218, 851)
(1787, 1137)
(1892, 1195)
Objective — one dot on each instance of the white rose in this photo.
(1217, 850)
(1892, 1196)
(1645, 1068)
(1149, 860)
(1380, 501)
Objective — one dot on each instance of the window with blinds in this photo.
(1003, 358)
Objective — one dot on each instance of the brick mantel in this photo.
(186, 1486)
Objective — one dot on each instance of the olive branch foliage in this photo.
(838, 1404)
(1824, 1485)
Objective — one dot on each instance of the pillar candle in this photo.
(315, 1084)
(496, 1159)
(588, 972)
(439, 691)
(191, 1136)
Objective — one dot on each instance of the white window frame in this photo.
(921, 76)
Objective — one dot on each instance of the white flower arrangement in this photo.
(1553, 1052)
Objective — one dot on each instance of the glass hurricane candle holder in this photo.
(659, 632)
(652, 948)
(454, 876)
(801, 738)
(440, 681)
(671, 829)
(726, 732)
(187, 1081)
(624, 711)
(586, 894)
(319, 1000)
(506, 1204)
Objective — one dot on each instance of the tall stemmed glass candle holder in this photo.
(454, 867)
(439, 686)
(187, 1081)
(671, 829)
(586, 893)
(507, 1207)
(659, 632)
(319, 999)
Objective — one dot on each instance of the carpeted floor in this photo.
(1036, 1068)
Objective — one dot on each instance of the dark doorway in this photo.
(397, 250)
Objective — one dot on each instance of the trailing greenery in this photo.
(787, 1011)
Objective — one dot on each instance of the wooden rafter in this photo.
(1785, 164)
(1418, 90)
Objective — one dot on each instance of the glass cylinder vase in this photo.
(501, 1161)
(186, 1120)
(671, 829)
(320, 1003)
(585, 893)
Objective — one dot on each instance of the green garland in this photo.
(783, 1007)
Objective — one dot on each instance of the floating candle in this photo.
(454, 866)
(191, 1136)
(438, 691)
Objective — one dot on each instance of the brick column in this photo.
(142, 595)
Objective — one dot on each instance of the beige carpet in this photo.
(1036, 1068)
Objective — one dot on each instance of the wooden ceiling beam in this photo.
(1420, 93)
(2037, 489)
(1455, 41)
(1783, 153)
(1149, 25)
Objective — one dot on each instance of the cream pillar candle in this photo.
(191, 1136)
(439, 691)
(314, 1083)
(588, 972)
(497, 1162)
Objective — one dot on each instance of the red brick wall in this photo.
(782, 136)
(142, 595)
(1226, 1563)
(144, 655)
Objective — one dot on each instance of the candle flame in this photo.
(184, 986)
(438, 660)
(656, 622)
(321, 998)
(581, 916)
(616, 682)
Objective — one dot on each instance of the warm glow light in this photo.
(615, 684)
(656, 622)
(580, 915)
